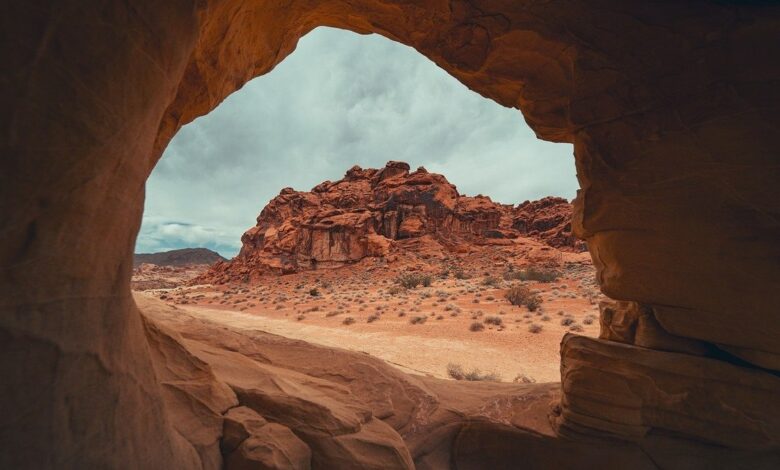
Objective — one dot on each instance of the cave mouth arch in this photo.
(672, 110)
(342, 99)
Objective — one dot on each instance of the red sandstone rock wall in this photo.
(362, 215)
(672, 108)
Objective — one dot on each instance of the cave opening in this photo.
(341, 100)
(672, 110)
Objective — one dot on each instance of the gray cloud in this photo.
(340, 99)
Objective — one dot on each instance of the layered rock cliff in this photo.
(366, 212)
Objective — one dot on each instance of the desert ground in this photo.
(460, 326)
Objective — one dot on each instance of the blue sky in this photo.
(340, 99)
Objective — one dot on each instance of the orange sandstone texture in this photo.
(673, 110)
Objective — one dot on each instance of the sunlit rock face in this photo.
(361, 215)
(672, 109)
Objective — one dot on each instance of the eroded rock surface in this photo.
(302, 405)
(366, 212)
(672, 107)
(630, 392)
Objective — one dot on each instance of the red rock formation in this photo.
(363, 214)
(548, 219)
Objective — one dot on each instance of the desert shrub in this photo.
(535, 328)
(475, 375)
(461, 274)
(372, 318)
(348, 321)
(533, 274)
(301, 317)
(456, 372)
(395, 290)
(589, 319)
(524, 379)
(533, 303)
(521, 295)
(418, 320)
(476, 326)
(491, 281)
(498, 321)
(314, 292)
(576, 327)
(566, 321)
(412, 280)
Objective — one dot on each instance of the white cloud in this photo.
(340, 99)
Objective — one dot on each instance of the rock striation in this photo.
(366, 212)
(265, 401)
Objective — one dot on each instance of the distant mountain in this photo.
(182, 257)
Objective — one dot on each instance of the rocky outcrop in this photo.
(250, 442)
(548, 219)
(303, 406)
(620, 390)
(363, 214)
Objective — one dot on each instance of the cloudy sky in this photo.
(340, 99)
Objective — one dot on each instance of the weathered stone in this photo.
(632, 323)
(630, 392)
(249, 442)
(239, 423)
(194, 397)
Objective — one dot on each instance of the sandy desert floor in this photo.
(466, 322)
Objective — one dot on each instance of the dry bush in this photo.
(524, 379)
(456, 372)
(566, 321)
(461, 274)
(395, 290)
(521, 295)
(491, 281)
(498, 321)
(535, 328)
(419, 320)
(372, 318)
(412, 280)
(348, 321)
(314, 292)
(476, 326)
(540, 274)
